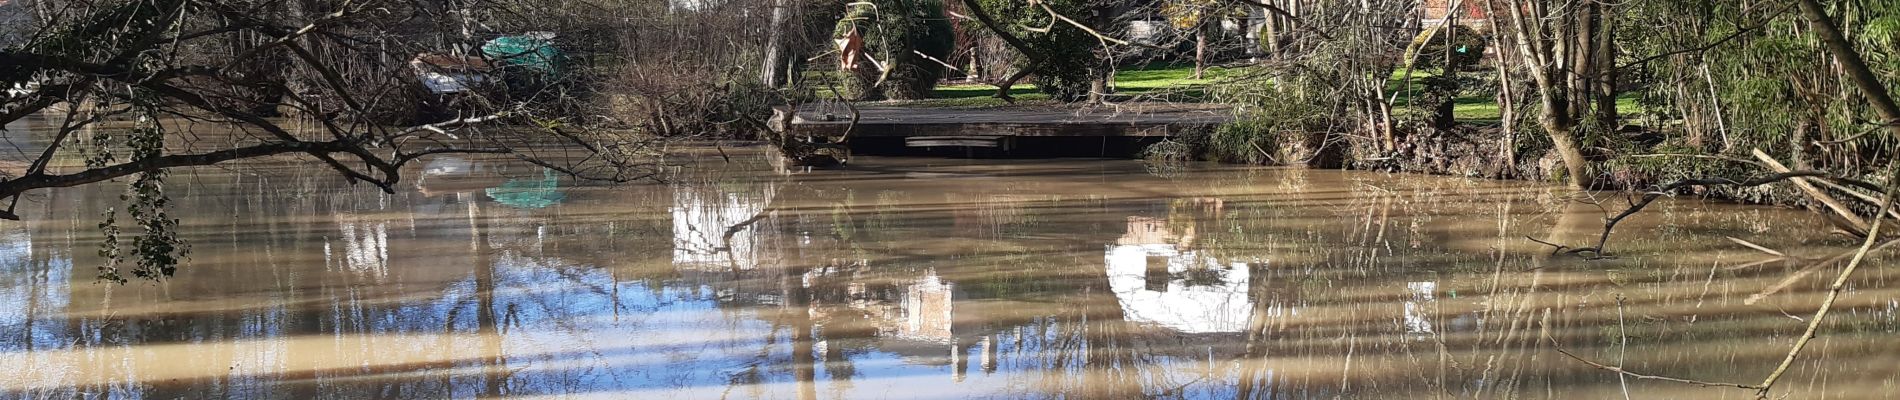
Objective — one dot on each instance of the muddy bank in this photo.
(1477, 151)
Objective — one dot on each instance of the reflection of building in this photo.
(1164, 284)
(927, 309)
(918, 321)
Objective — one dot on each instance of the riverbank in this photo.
(1474, 142)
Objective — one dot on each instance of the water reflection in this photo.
(1422, 295)
(911, 278)
(1157, 281)
(712, 226)
(365, 247)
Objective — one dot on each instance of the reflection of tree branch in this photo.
(1625, 372)
(1609, 223)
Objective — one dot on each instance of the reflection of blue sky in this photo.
(572, 327)
(29, 292)
(563, 327)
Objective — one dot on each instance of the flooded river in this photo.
(923, 278)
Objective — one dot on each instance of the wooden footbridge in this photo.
(998, 127)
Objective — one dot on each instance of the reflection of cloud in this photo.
(365, 247)
(1421, 294)
(447, 166)
(701, 216)
(1150, 281)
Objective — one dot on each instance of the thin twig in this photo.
(1610, 222)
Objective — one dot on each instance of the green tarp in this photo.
(532, 52)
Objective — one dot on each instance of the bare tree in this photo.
(1565, 48)
(344, 79)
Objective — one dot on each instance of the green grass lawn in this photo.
(1482, 108)
(1170, 82)
(1176, 83)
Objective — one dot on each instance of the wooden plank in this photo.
(1150, 120)
(906, 130)
(954, 141)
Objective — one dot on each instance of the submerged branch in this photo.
(1609, 223)
(1624, 372)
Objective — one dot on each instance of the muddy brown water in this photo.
(923, 278)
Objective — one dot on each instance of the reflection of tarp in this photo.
(532, 52)
(539, 193)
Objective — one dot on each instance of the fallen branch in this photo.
(1757, 247)
(1805, 271)
(1833, 292)
(1854, 222)
(1609, 223)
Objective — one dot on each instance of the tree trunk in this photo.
(1098, 88)
(1200, 51)
(774, 47)
(1033, 58)
(1563, 141)
(1552, 59)
(1856, 66)
(1003, 87)
(1507, 93)
(1272, 36)
(1606, 113)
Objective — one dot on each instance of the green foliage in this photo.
(1250, 140)
(895, 32)
(1069, 54)
(1187, 14)
(1263, 37)
(1771, 85)
(158, 249)
(1267, 131)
